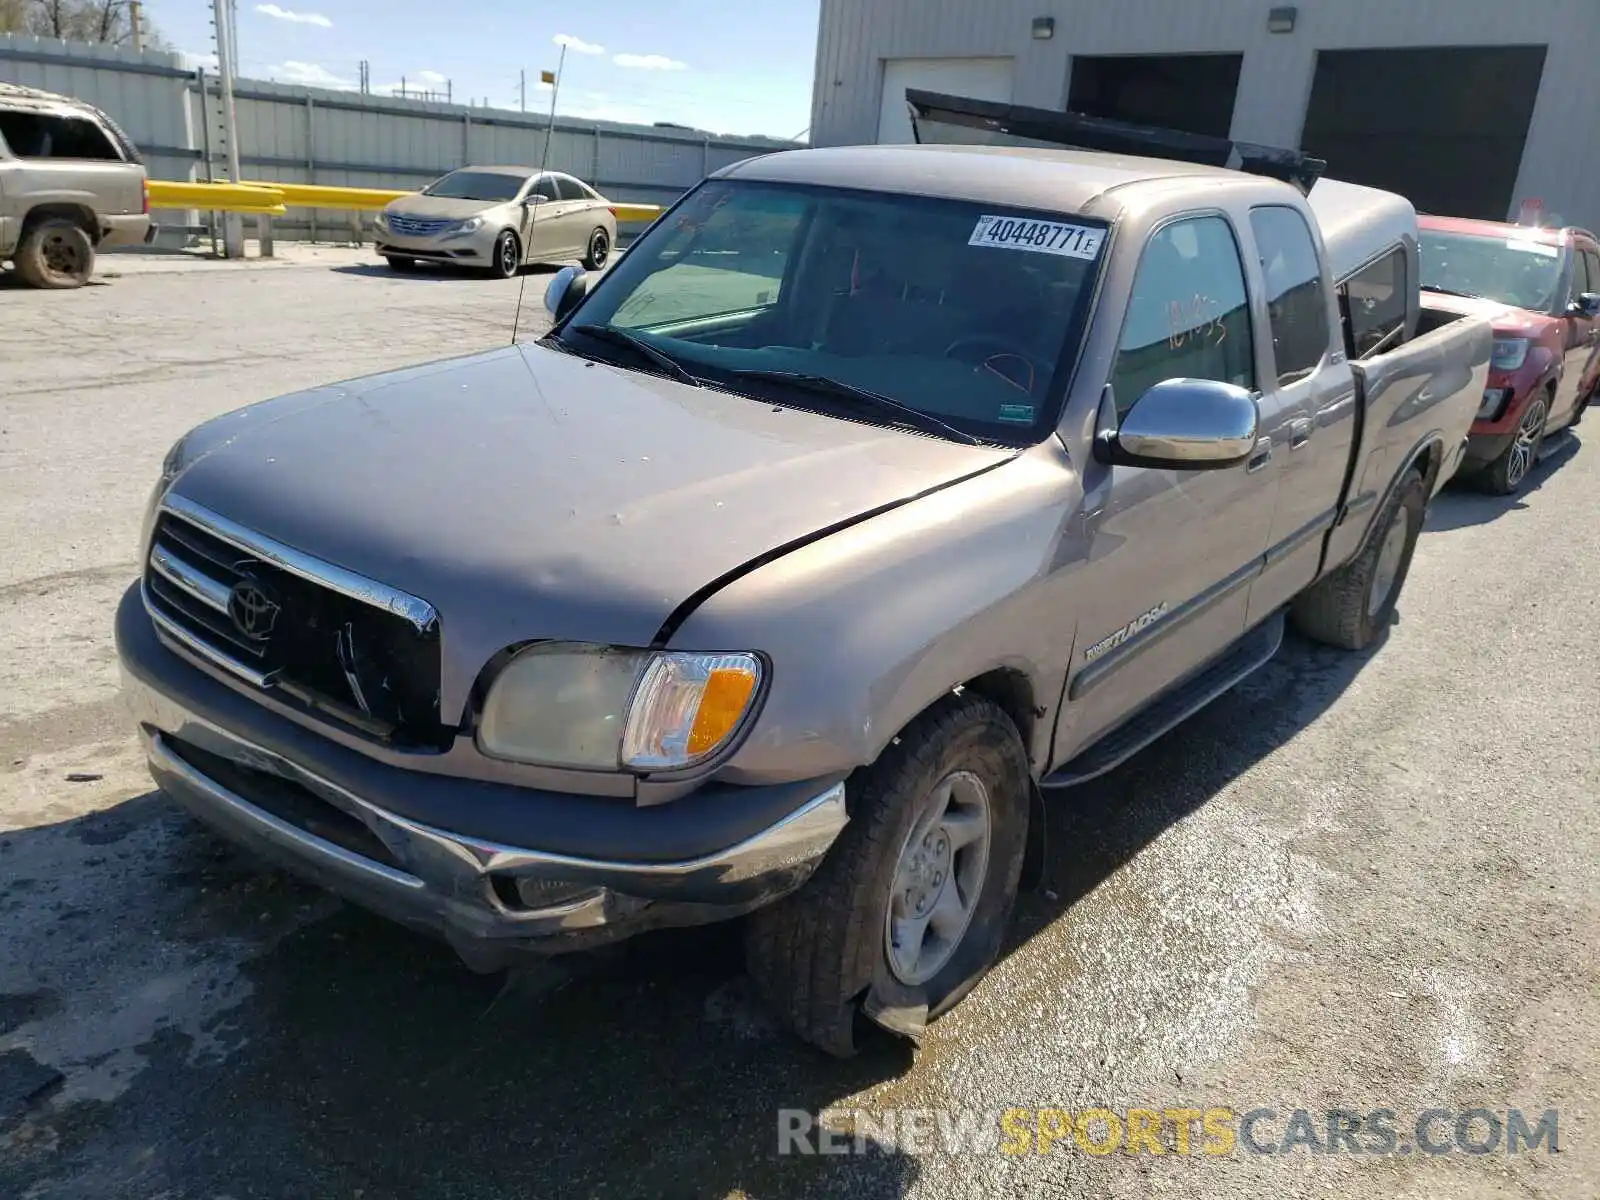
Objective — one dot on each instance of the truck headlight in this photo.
(1509, 353)
(567, 704)
(381, 221)
(467, 226)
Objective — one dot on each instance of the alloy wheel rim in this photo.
(599, 247)
(508, 255)
(1525, 443)
(1387, 570)
(938, 879)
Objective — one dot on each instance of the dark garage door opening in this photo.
(1192, 92)
(1444, 127)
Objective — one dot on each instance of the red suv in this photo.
(1546, 363)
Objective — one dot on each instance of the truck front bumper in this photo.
(322, 811)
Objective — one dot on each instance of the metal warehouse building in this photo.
(1469, 107)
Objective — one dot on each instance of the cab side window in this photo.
(1296, 303)
(1591, 260)
(1188, 312)
(546, 187)
(1375, 297)
(569, 189)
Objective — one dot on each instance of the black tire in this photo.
(398, 262)
(599, 251)
(1506, 475)
(55, 253)
(1343, 608)
(507, 256)
(1583, 407)
(817, 954)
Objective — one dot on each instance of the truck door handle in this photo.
(1300, 432)
(1261, 458)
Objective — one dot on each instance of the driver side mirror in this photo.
(567, 286)
(1586, 305)
(1184, 425)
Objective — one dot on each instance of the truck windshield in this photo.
(476, 185)
(968, 313)
(1507, 269)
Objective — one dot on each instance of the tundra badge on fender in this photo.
(1112, 640)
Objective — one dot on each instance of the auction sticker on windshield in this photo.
(1042, 237)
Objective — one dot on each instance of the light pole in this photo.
(232, 223)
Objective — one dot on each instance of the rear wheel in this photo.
(599, 251)
(913, 900)
(507, 256)
(1506, 474)
(1350, 607)
(55, 253)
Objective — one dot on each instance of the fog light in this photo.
(1493, 403)
(531, 894)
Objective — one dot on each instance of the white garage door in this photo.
(977, 78)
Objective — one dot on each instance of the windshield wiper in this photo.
(669, 366)
(1444, 291)
(839, 389)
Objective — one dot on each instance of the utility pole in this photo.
(232, 223)
(135, 20)
(522, 90)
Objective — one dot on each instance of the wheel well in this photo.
(75, 213)
(1012, 691)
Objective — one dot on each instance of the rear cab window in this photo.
(1297, 307)
(45, 135)
(1375, 301)
(969, 312)
(1188, 312)
(569, 189)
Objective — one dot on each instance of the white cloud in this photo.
(431, 77)
(199, 58)
(297, 18)
(649, 62)
(309, 74)
(577, 45)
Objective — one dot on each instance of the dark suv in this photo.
(1546, 364)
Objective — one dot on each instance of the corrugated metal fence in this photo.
(295, 134)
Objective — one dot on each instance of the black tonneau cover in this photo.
(1078, 132)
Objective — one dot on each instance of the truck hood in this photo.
(527, 493)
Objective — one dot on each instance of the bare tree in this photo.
(107, 21)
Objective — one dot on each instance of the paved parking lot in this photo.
(1357, 882)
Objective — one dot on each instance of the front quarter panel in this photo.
(868, 626)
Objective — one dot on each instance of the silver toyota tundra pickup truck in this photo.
(872, 493)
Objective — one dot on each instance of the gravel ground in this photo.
(1357, 882)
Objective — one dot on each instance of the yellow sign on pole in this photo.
(547, 77)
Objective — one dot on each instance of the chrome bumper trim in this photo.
(443, 879)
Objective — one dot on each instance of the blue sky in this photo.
(730, 66)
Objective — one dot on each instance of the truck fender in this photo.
(1429, 452)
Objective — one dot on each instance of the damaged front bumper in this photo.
(563, 873)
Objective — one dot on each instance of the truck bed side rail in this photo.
(1078, 132)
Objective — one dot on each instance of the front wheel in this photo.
(507, 256)
(913, 900)
(1506, 474)
(1351, 606)
(599, 251)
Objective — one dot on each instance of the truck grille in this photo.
(418, 226)
(335, 644)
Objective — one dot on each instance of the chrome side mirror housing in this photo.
(1184, 425)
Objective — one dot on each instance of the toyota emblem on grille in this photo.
(253, 610)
